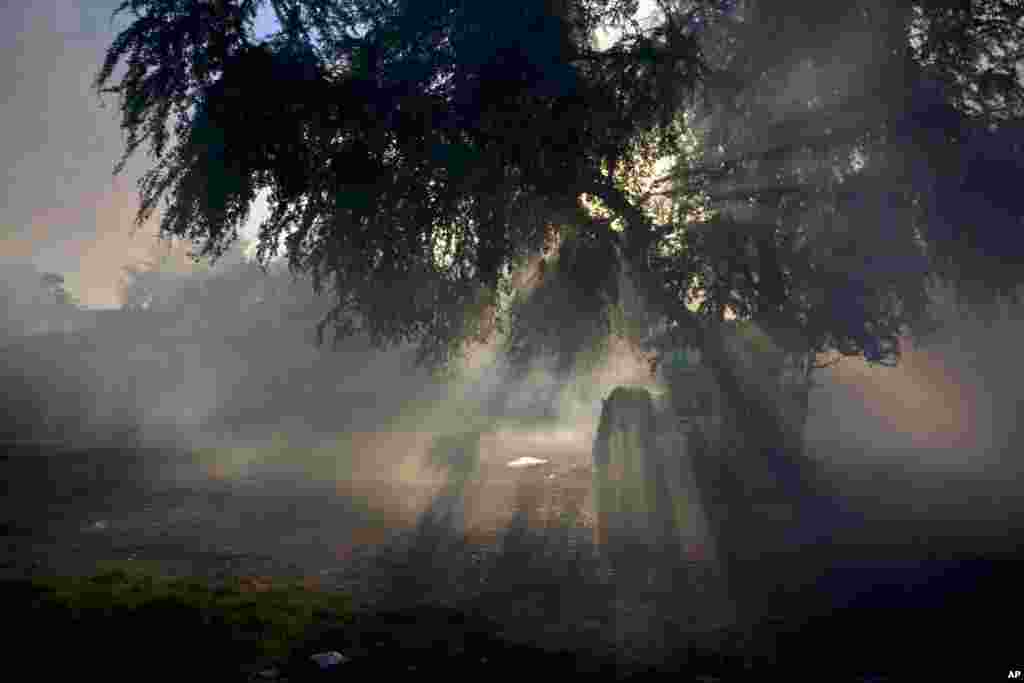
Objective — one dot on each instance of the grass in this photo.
(125, 617)
(129, 622)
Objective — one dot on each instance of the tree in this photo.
(829, 186)
(405, 151)
(442, 110)
(416, 152)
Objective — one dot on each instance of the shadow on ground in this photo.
(905, 597)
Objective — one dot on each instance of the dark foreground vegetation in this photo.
(949, 618)
(129, 625)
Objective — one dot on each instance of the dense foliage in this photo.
(415, 152)
(412, 151)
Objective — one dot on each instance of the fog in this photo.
(316, 457)
(211, 397)
(951, 404)
(239, 369)
(235, 375)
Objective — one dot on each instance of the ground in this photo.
(934, 572)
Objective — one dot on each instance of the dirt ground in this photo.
(66, 512)
(936, 541)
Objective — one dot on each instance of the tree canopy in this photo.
(415, 152)
(835, 163)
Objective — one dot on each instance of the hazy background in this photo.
(63, 210)
(952, 406)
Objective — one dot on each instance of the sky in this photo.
(63, 210)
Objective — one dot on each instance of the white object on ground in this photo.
(326, 660)
(526, 461)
